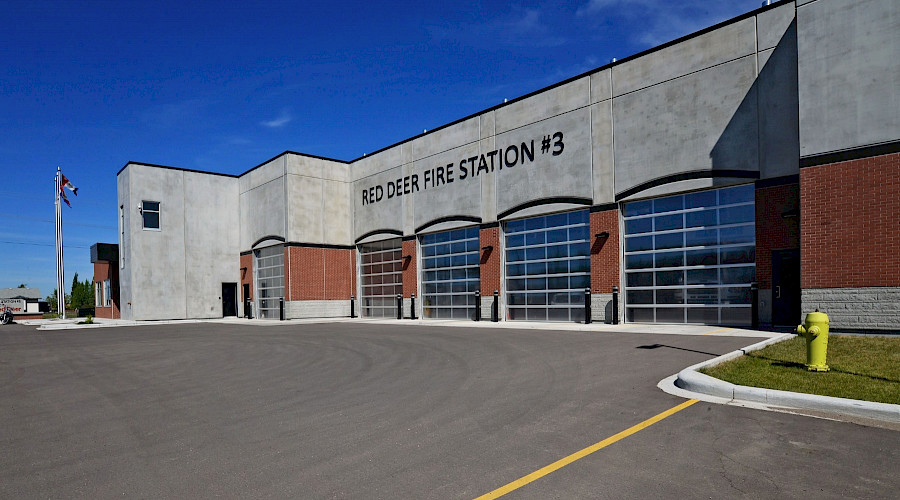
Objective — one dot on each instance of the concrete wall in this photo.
(848, 53)
(178, 270)
(211, 244)
(319, 208)
(125, 223)
(723, 100)
(262, 203)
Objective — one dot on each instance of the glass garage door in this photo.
(548, 267)
(269, 267)
(381, 276)
(450, 274)
(691, 258)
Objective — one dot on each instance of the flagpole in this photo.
(60, 273)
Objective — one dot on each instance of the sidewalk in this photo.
(67, 324)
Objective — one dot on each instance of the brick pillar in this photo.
(410, 276)
(604, 251)
(247, 275)
(490, 261)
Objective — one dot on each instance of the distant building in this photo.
(763, 150)
(26, 303)
(105, 257)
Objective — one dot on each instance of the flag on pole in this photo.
(60, 272)
(64, 182)
(67, 183)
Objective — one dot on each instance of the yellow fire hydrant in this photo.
(816, 333)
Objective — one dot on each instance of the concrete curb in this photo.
(690, 383)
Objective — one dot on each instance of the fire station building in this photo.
(760, 152)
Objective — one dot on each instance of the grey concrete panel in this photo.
(488, 124)
(601, 86)
(262, 212)
(725, 44)
(373, 164)
(461, 133)
(211, 241)
(304, 165)
(772, 24)
(848, 74)
(317, 167)
(685, 186)
(462, 196)
(409, 209)
(337, 220)
(549, 208)
(566, 174)
(123, 189)
(306, 212)
(706, 120)
(549, 103)
(264, 174)
(488, 182)
(602, 161)
(386, 213)
(157, 256)
(296, 309)
(779, 141)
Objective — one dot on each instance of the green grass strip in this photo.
(864, 367)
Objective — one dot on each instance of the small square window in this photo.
(150, 214)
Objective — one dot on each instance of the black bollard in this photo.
(587, 306)
(495, 307)
(412, 306)
(477, 305)
(615, 306)
(281, 308)
(352, 307)
(754, 305)
(399, 306)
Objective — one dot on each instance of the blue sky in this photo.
(223, 86)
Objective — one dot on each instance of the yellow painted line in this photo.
(717, 331)
(534, 476)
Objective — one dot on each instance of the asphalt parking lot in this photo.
(384, 411)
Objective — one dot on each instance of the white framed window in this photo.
(107, 294)
(150, 215)
(98, 298)
(381, 275)
(450, 273)
(691, 258)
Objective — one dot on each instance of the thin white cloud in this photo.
(518, 27)
(655, 22)
(283, 119)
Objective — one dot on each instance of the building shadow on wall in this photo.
(762, 135)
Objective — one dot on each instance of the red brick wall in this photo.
(103, 271)
(319, 273)
(247, 274)
(604, 251)
(774, 231)
(850, 236)
(340, 273)
(410, 278)
(490, 261)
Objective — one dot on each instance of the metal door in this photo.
(786, 287)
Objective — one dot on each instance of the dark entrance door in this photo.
(786, 287)
(229, 299)
(246, 300)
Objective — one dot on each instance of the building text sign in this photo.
(512, 156)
